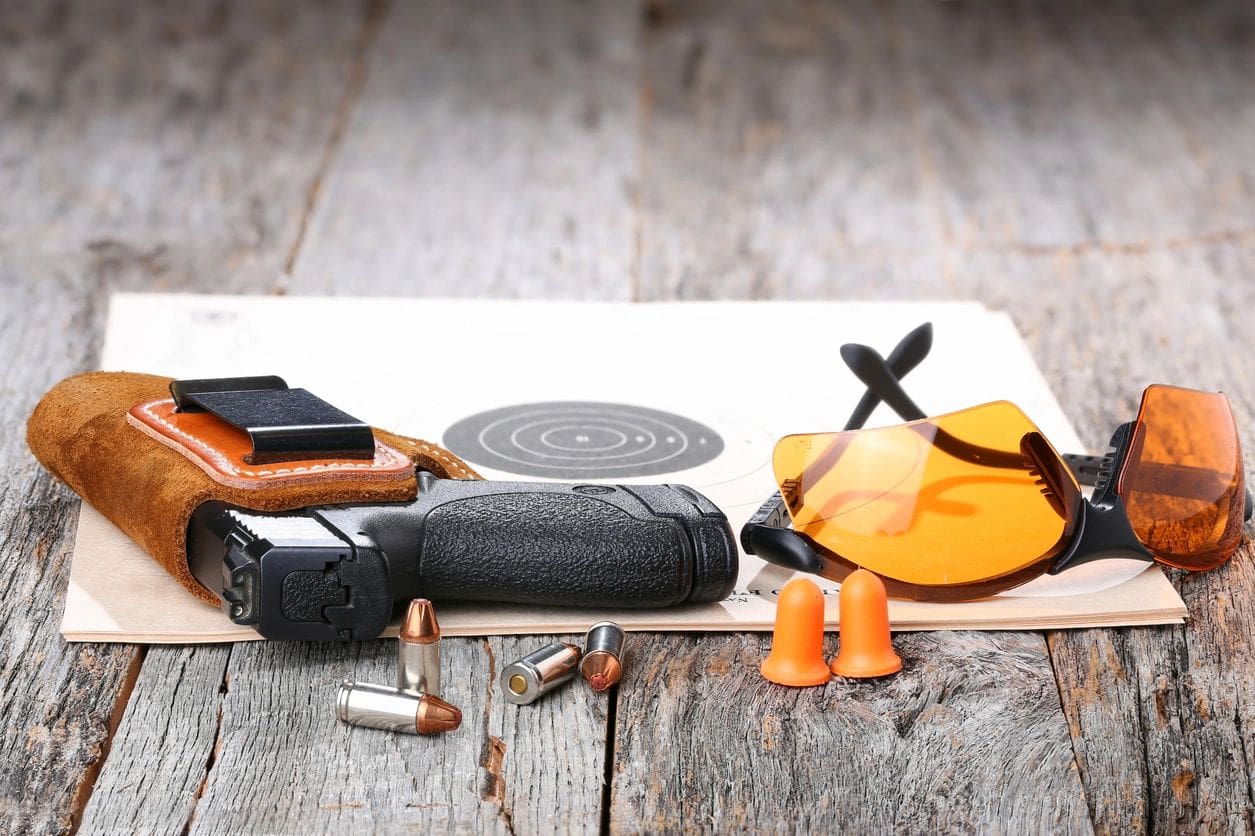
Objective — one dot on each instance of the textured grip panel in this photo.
(553, 548)
(547, 543)
(715, 556)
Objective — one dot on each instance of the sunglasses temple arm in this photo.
(876, 374)
(906, 355)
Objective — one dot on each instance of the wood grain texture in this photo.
(184, 137)
(490, 152)
(968, 737)
(58, 701)
(867, 149)
(286, 765)
(780, 150)
(122, 158)
(166, 742)
(1113, 126)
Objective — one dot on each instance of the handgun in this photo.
(335, 572)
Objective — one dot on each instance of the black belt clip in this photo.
(284, 424)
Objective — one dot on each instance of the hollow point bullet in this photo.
(382, 707)
(602, 665)
(536, 674)
(418, 650)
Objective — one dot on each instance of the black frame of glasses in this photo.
(1102, 530)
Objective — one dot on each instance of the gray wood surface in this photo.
(489, 152)
(1087, 167)
(968, 736)
(166, 148)
(59, 702)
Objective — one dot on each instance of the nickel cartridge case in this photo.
(418, 650)
(538, 673)
(381, 707)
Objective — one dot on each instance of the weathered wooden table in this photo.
(1088, 167)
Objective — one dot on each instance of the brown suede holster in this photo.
(104, 435)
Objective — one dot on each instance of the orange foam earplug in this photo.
(797, 644)
(866, 647)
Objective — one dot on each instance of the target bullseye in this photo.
(583, 439)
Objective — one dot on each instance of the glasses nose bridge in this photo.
(1102, 531)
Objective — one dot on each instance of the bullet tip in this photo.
(601, 670)
(420, 625)
(435, 716)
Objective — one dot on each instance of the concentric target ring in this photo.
(582, 440)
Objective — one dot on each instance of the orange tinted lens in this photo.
(1182, 481)
(943, 502)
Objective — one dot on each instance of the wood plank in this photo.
(1074, 125)
(120, 153)
(185, 137)
(163, 749)
(287, 766)
(58, 701)
(780, 150)
(865, 149)
(967, 738)
(490, 153)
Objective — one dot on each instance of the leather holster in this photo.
(116, 439)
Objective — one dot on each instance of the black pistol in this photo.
(334, 572)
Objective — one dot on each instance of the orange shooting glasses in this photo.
(971, 503)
